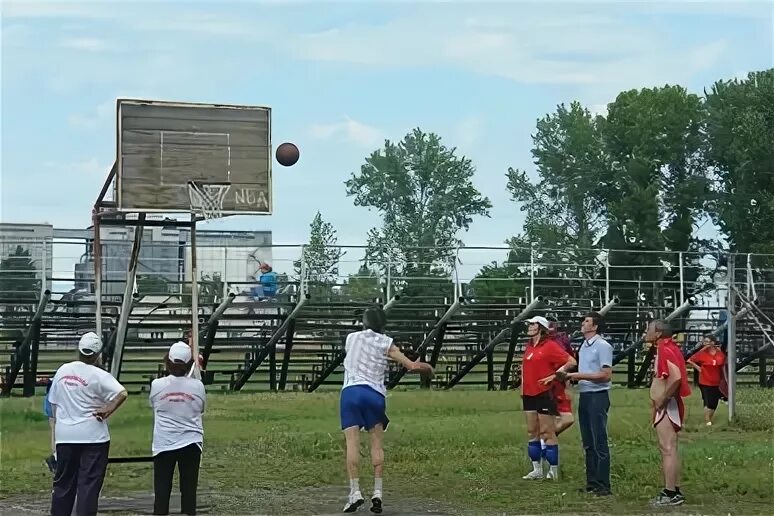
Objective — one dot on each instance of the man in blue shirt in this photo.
(595, 369)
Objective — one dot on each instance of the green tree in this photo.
(362, 286)
(740, 149)
(320, 258)
(425, 196)
(19, 283)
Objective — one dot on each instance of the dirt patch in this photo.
(301, 501)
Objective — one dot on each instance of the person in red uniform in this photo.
(565, 419)
(543, 358)
(709, 361)
(670, 386)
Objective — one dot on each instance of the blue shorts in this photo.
(363, 407)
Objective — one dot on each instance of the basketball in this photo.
(287, 154)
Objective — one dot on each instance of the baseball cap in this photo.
(180, 352)
(542, 321)
(90, 344)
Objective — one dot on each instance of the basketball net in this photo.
(207, 198)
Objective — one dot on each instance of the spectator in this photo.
(83, 396)
(267, 280)
(595, 369)
(709, 361)
(178, 403)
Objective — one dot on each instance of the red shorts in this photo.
(674, 410)
(563, 402)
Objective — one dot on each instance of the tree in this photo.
(19, 283)
(740, 149)
(363, 286)
(320, 258)
(425, 196)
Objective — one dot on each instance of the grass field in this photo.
(458, 451)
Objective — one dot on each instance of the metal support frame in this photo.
(731, 349)
(286, 356)
(720, 330)
(760, 351)
(97, 247)
(271, 345)
(211, 327)
(194, 372)
(651, 353)
(126, 302)
(339, 358)
(22, 354)
(439, 326)
(500, 337)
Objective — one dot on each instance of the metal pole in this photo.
(731, 362)
(96, 253)
(126, 302)
(532, 273)
(607, 277)
(389, 279)
(682, 278)
(194, 372)
(609, 306)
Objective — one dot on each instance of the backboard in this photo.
(161, 146)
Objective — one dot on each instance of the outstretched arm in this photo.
(412, 365)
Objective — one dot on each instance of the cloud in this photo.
(524, 43)
(348, 130)
(467, 131)
(85, 44)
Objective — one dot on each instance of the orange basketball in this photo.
(287, 154)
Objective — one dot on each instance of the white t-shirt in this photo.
(78, 390)
(178, 404)
(366, 360)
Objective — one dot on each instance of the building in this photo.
(33, 238)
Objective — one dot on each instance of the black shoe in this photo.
(602, 492)
(376, 505)
(51, 463)
(353, 505)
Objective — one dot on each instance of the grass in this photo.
(463, 448)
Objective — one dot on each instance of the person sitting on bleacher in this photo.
(267, 283)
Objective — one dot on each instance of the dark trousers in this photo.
(80, 471)
(592, 419)
(187, 460)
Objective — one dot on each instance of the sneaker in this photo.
(354, 502)
(552, 475)
(376, 503)
(533, 475)
(665, 500)
(51, 463)
(709, 423)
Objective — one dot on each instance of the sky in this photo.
(340, 79)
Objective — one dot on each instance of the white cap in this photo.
(542, 321)
(90, 344)
(180, 352)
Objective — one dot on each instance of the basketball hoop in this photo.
(207, 198)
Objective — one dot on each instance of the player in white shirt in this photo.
(178, 402)
(82, 397)
(362, 403)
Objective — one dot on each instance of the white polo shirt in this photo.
(178, 404)
(366, 360)
(78, 390)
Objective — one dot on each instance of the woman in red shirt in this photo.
(543, 359)
(709, 361)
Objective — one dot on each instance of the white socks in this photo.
(354, 486)
(537, 466)
(377, 487)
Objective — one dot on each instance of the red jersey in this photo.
(711, 367)
(666, 352)
(540, 362)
